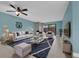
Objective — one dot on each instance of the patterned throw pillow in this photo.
(17, 34)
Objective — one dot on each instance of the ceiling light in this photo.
(18, 13)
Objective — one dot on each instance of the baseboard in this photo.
(75, 55)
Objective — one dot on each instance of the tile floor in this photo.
(57, 49)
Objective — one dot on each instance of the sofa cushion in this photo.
(26, 32)
(17, 33)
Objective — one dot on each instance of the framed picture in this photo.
(19, 25)
(67, 29)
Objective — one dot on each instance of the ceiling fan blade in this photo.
(24, 9)
(10, 11)
(24, 14)
(12, 6)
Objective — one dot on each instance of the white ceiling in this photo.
(38, 11)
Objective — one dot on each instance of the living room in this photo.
(39, 29)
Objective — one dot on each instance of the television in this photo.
(67, 29)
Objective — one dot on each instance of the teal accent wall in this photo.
(68, 17)
(68, 14)
(72, 15)
(10, 21)
(75, 24)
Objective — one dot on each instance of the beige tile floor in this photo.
(29, 56)
(57, 49)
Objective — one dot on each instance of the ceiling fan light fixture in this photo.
(18, 13)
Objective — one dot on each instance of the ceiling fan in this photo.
(18, 10)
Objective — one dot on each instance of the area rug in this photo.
(40, 50)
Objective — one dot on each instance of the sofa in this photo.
(19, 35)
